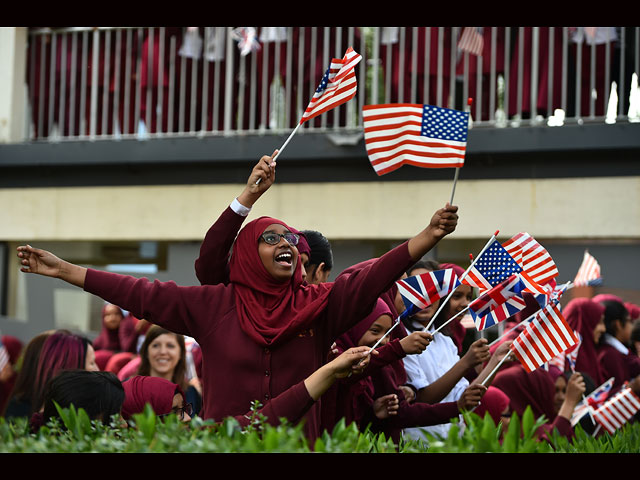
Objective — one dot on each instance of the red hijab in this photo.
(536, 389)
(157, 391)
(270, 311)
(494, 401)
(583, 314)
(352, 337)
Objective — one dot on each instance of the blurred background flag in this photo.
(588, 273)
(471, 41)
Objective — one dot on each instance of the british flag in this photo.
(420, 291)
(532, 257)
(492, 267)
(499, 303)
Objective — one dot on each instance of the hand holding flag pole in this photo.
(338, 85)
(466, 272)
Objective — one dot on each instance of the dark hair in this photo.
(100, 394)
(320, 249)
(430, 265)
(614, 310)
(635, 336)
(24, 388)
(62, 350)
(180, 372)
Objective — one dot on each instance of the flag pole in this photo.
(461, 277)
(385, 335)
(283, 146)
(455, 177)
(495, 369)
(452, 318)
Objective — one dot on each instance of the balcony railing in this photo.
(89, 83)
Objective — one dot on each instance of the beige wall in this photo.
(551, 208)
(13, 43)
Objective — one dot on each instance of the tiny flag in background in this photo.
(471, 41)
(492, 267)
(543, 338)
(338, 85)
(588, 273)
(398, 134)
(420, 291)
(4, 356)
(247, 39)
(534, 260)
(618, 410)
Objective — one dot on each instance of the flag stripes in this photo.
(338, 85)
(588, 273)
(547, 335)
(535, 260)
(471, 41)
(617, 411)
(395, 135)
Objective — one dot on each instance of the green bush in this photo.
(75, 432)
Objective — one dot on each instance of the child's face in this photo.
(376, 331)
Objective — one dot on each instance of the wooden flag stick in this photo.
(461, 278)
(495, 369)
(283, 146)
(455, 180)
(452, 318)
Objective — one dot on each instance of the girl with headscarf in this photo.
(9, 375)
(166, 397)
(614, 356)
(537, 389)
(118, 331)
(265, 331)
(586, 317)
(357, 403)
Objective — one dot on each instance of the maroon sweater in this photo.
(236, 370)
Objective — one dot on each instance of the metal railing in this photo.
(88, 83)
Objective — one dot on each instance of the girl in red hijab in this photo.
(265, 331)
(586, 317)
(118, 331)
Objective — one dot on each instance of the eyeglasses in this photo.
(273, 238)
(180, 411)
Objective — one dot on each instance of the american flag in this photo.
(589, 272)
(499, 303)
(592, 401)
(4, 356)
(618, 410)
(420, 291)
(471, 41)
(533, 257)
(492, 267)
(398, 134)
(543, 338)
(338, 85)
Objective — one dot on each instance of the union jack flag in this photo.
(338, 85)
(499, 303)
(492, 267)
(589, 272)
(420, 291)
(543, 338)
(532, 257)
(617, 410)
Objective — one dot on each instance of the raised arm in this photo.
(211, 266)
(354, 294)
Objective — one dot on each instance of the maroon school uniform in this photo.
(623, 367)
(250, 353)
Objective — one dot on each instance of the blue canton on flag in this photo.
(444, 123)
(492, 267)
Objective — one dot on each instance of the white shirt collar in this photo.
(615, 343)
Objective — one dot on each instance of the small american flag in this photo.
(398, 134)
(492, 267)
(499, 303)
(618, 410)
(471, 41)
(247, 39)
(4, 356)
(420, 291)
(588, 273)
(535, 260)
(543, 338)
(338, 85)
